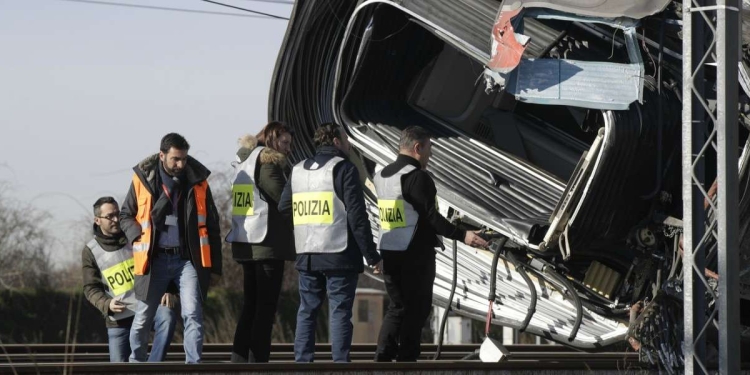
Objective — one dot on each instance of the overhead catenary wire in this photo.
(172, 9)
(280, 2)
(246, 10)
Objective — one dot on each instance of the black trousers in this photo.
(252, 338)
(409, 286)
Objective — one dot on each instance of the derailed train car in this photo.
(556, 126)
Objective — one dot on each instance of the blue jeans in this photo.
(119, 337)
(164, 323)
(165, 269)
(340, 288)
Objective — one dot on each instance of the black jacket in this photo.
(420, 191)
(194, 172)
(348, 188)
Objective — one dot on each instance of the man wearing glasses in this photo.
(108, 284)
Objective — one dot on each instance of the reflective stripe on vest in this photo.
(117, 275)
(319, 215)
(200, 191)
(249, 210)
(143, 217)
(145, 200)
(398, 219)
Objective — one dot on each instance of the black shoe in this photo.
(380, 357)
(236, 358)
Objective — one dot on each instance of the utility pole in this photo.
(710, 30)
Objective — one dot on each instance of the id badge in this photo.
(171, 220)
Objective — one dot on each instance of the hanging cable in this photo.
(126, 5)
(448, 303)
(246, 10)
(281, 2)
(492, 296)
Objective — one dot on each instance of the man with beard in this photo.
(170, 218)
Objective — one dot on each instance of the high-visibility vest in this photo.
(145, 201)
(116, 268)
(249, 210)
(398, 218)
(320, 224)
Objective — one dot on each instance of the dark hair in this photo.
(101, 202)
(325, 134)
(270, 134)
(174, 140)
(412, 135)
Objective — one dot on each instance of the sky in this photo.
(88, 90)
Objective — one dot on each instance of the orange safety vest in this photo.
(143, 217)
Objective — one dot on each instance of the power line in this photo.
(163, 8)
(247, 10)
(289, 2)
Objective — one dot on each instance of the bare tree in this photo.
(24, 263)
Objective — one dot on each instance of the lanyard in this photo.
(174, 202)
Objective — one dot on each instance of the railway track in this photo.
(93, 358)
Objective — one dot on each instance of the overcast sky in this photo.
(88, 90)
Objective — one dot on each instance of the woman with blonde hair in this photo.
(261, 240)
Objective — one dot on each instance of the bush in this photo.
(53, 317)
(47, 316)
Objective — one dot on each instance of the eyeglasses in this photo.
(111, 217)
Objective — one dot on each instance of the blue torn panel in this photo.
(587, 84)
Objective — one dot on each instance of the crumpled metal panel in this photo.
(596, 85)
(595, 8)
(507, 46)
(586, 84)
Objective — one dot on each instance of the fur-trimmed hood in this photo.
(248, 143)
(194, 171)
(271, 156)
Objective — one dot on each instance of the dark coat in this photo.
(194, 173)
(420, 191)
(94, 287)
(271, 174)
(349, 189)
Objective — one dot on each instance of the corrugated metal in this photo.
(375, 71)
(470, 20)
(601, 8)
(613, 203)
(302, 84)
(543, 34)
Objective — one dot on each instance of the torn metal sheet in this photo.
(584, 84)
(587, 84)
(595, 8)
(507, 46)
(621, 23)
(509, 43)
